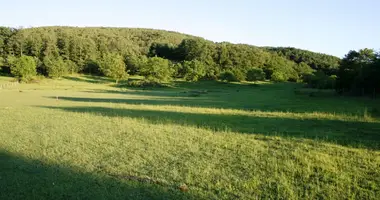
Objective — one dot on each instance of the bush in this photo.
(135, 63)
(55, 67)
(143, 84)
(157, 70)
(239, 75)
(228, 76)
(212, 72)
(303, 69)
(255, 74)
(193, 70)
(24, 67)
(113, 66)
(278, 76)
(91, 66)
(72, 67)
(320, 80)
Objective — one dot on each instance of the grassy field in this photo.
(84, 138)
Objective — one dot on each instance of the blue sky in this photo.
(327, 26)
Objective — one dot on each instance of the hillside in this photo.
(82, 45)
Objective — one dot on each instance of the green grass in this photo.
(83, 138)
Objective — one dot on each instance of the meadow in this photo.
(83, 137)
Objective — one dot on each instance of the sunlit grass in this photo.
(74, 139)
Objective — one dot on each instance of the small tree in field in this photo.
(278, 76)
(255, 74)
(55, 67)
(113, 66)
(193, 70)
(228, 76)
(157, 70)
(23, 67)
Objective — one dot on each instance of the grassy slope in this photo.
(83, 138)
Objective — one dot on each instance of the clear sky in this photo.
(327, 26)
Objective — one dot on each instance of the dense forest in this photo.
(163, 55)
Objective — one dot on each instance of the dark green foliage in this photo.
(82, 50)
(255, 74)
(134, 63)
(5, 34)
(240, 75)
(191, 49)
(56, 67)
(320, 80)
(91, 66)
(193, 70)
(303, 69)
(168, 51)
(143, 84)
(317, 61)
(157, 70)
(72, 67)
(228, 76)
(359, 73)
(113, 66)
(24, 67)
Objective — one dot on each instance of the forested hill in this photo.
(85, 48)
(318, 61)
(41, 41)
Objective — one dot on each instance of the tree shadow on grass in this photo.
(346, 133)
(89, 79)
(230, 100)
(22, 178)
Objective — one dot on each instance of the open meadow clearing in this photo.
(83, 138)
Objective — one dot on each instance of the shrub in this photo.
(193, 70)
(228, 76)
(278, 76)
(113, 66)
(55, 67)
(24, 67)
(239, 75)
(72, 67)
(157, 70)
(320, 80)
(143, 84)
(135, 63)
(91, 66)
(255, 74)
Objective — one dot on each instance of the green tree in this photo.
(55, 66)
(112, 65)
(317, 61)
(157, 70)
(135, 63)
(228, 76)
(255, 74)
(72, 67)
(193, 70)
(239, 73)
(358, 72)
(278, 76)
(303, 69)
(23, 67)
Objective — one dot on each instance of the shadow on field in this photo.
(22, 178)
(89, 79)
(353, 134)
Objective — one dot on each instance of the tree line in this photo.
(163, 55)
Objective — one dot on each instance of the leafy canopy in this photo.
(23, 67)
(113, 66)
